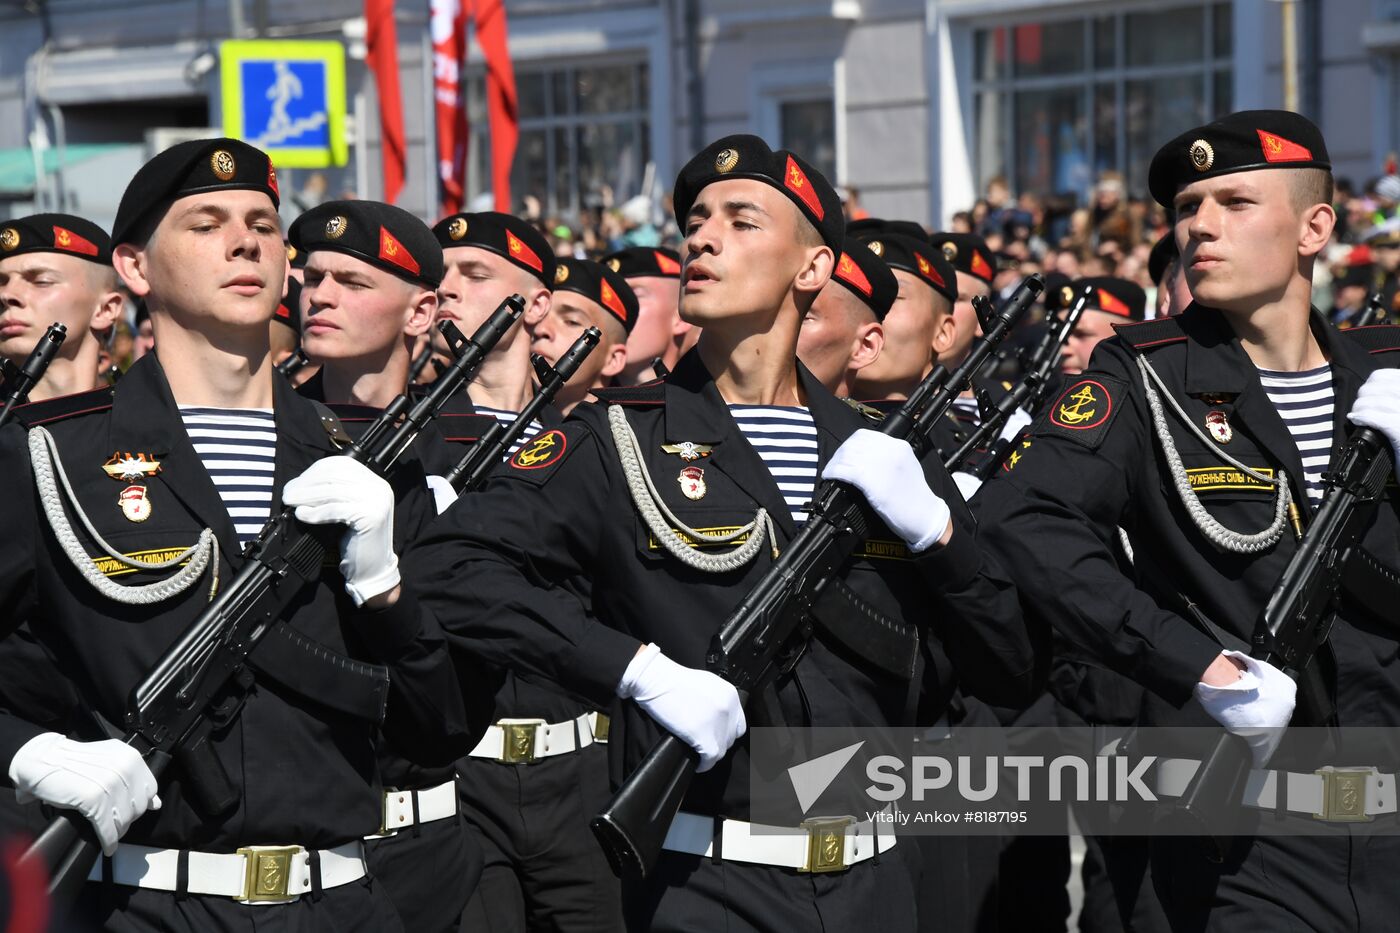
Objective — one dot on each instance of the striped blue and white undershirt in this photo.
(506, 419)
(786, 439)
(238, 447)
(1305, 403)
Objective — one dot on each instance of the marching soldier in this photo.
(1205, 437)
(530, 784)
(371, 272)
(733, 443)
(57, 269)
(587, 294)
(136, 501)
(654, 275)
(1114, 301)
(969, 255)
(842, 332)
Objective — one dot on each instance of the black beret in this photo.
(1113, 295)
(503, 234)
(749, 157)
(387, 237)
(1164, 253)
(598, 283)
(1242, 142)
(193, 167)
(639, 261)
(917, 258)
(289, 309)
(1057, 295)
(967, 252)
(867, 275)
(295, 257)
(868, 225)
(55, 233)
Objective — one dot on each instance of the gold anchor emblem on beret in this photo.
(614, 264)
(1067, 295)
(950, 251)
(336, 227)
(9, 238)
(291, 252)
(561, 274)
(458, 228)
(726, 161)
(877, 247)
(1202, 155)
(222, 164)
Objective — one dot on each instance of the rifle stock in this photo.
(762, 637)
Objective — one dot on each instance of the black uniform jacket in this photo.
(1094, 463)
(456, 428)
(305, 773)
(491, 568)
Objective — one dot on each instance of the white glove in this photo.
(700, 708)
(340, 490)
(107, 782)
(443, 493)
(1378, 406)
(887, 472)
(1014, 424)
(1257, 707)
(967, 484)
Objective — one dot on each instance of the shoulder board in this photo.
(64, 406)
(1145, 335)
(869, 413)
(1378, 338)
(347, 411)
(649, 393)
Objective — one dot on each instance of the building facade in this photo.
(914, 103)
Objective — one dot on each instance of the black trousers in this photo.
(429, 872)
(1339, 882)
(1118, 893)
(693, 894)
(362, 905)
(543, 871)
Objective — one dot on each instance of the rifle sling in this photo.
(1370, 585)
(865, 631)
(323, 676)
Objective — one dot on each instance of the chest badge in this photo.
(1219, 427)
(130, 467)
(692, 480)
(136, 505)
(687, 450)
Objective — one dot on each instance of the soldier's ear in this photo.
(131, 264)
(421, 312)
(816, 271)
(536, 307)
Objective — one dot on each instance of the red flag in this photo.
(449, 31)
(501, 110)
(383, 59)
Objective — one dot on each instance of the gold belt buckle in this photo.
(518, 738)
(826, 843)
(601, 724)
(267, 873)
(1343, 794)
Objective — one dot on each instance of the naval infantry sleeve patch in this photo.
(1085, 410)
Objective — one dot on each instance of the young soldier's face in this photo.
(39, 289)
(356, 311)
(215, 257)
(741, 254)
(657, 297)
(830, 333)
(475, 283)
(909, 331)
(569, 315)
(1093, 326)
(966, 327)
(1239, 237)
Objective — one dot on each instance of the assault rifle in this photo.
(1301, 611)
(766, 634)
(1373, 313)
(167, 714)
(486, 454)
(16, 382)
(294, 363)
(1028, 394)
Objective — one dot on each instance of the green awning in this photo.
(17, 165)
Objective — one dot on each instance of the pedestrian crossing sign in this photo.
(287, 98)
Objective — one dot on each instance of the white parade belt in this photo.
(433, 804)
(252, 875)
(522, 741)
(1338, 795)
(820, 844)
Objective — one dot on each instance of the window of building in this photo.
(1058, 101)
(585, 137)
(808, 127)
